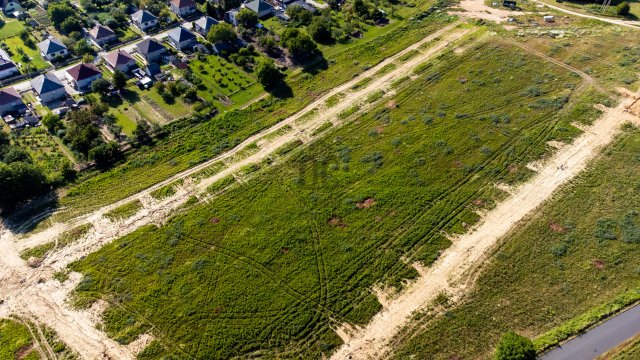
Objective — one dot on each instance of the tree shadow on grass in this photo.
(281, 91)
(27, 217)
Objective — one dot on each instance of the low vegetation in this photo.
(310, 237)
(556, 269)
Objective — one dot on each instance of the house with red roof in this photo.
(82, 75)
(183, 8)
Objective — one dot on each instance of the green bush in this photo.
(514, 347)
(623, 8)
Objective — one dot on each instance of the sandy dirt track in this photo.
(448, 273)
(33, 294)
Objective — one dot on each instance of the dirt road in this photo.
(626, 23)
(448, 273)
(34, 294)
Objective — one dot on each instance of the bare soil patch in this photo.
(366, 203)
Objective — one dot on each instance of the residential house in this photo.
(48, 87)
(183, 8)
(52, 49)
(204, 24)
(101, 35)
(182, 39)
(305, 5)
(151, 50)
(222, 49)
(9, 7)
(10, 101)
(144, 20)
(231, 16)
(7, 67)
(260, 7)
(82, 75)
(121, 60)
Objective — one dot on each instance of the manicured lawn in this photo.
(33, 53)
(10, 28)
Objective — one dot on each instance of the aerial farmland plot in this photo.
(426, 180)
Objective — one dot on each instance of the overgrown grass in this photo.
(16, 341)
(580, 251)
(63, 240)
(308, 238)
(194, 141)
(125, 211)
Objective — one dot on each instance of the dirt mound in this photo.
(336, 221)
(366, 203)
(557, 228)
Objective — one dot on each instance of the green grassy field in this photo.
(14, 43)
(16, 341)
(579, 251)
(268, 267)
(192, 142)
(124, 211)
(221, 77)
(10, 28)
(44, 150)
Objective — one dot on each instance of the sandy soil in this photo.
(450, 272)
(34, 294)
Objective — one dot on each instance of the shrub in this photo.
(514, 347)
(623, 8)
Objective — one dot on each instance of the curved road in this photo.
(600, 339)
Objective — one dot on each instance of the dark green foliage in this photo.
(247, 18)
(299, 16)
(514, 347)
(105, 155)
(82, 134)
(268, 74)
(119, 80)
(299, 44)
(21, 182)
(623, 8)
(221, 33)
(101, 86)
(52, 122)
(320, 29)
(16, 154)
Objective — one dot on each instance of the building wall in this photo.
(8, 72)
(86, 83)
(155, 56)
(53, 95)
(51, 57)
(147, 25)
(9, 107)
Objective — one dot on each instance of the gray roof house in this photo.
(144, 20)
(52, 48)
(151, 49)
(101, 35)
(182, 39)
(48, 87)
(10, 101)
(10, 7)
(204, 24)
(260, 7)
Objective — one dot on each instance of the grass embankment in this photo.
(270, 266)
(63, 240)
(125, 211)
(16, 341)
(192, 142)
(581, 250)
